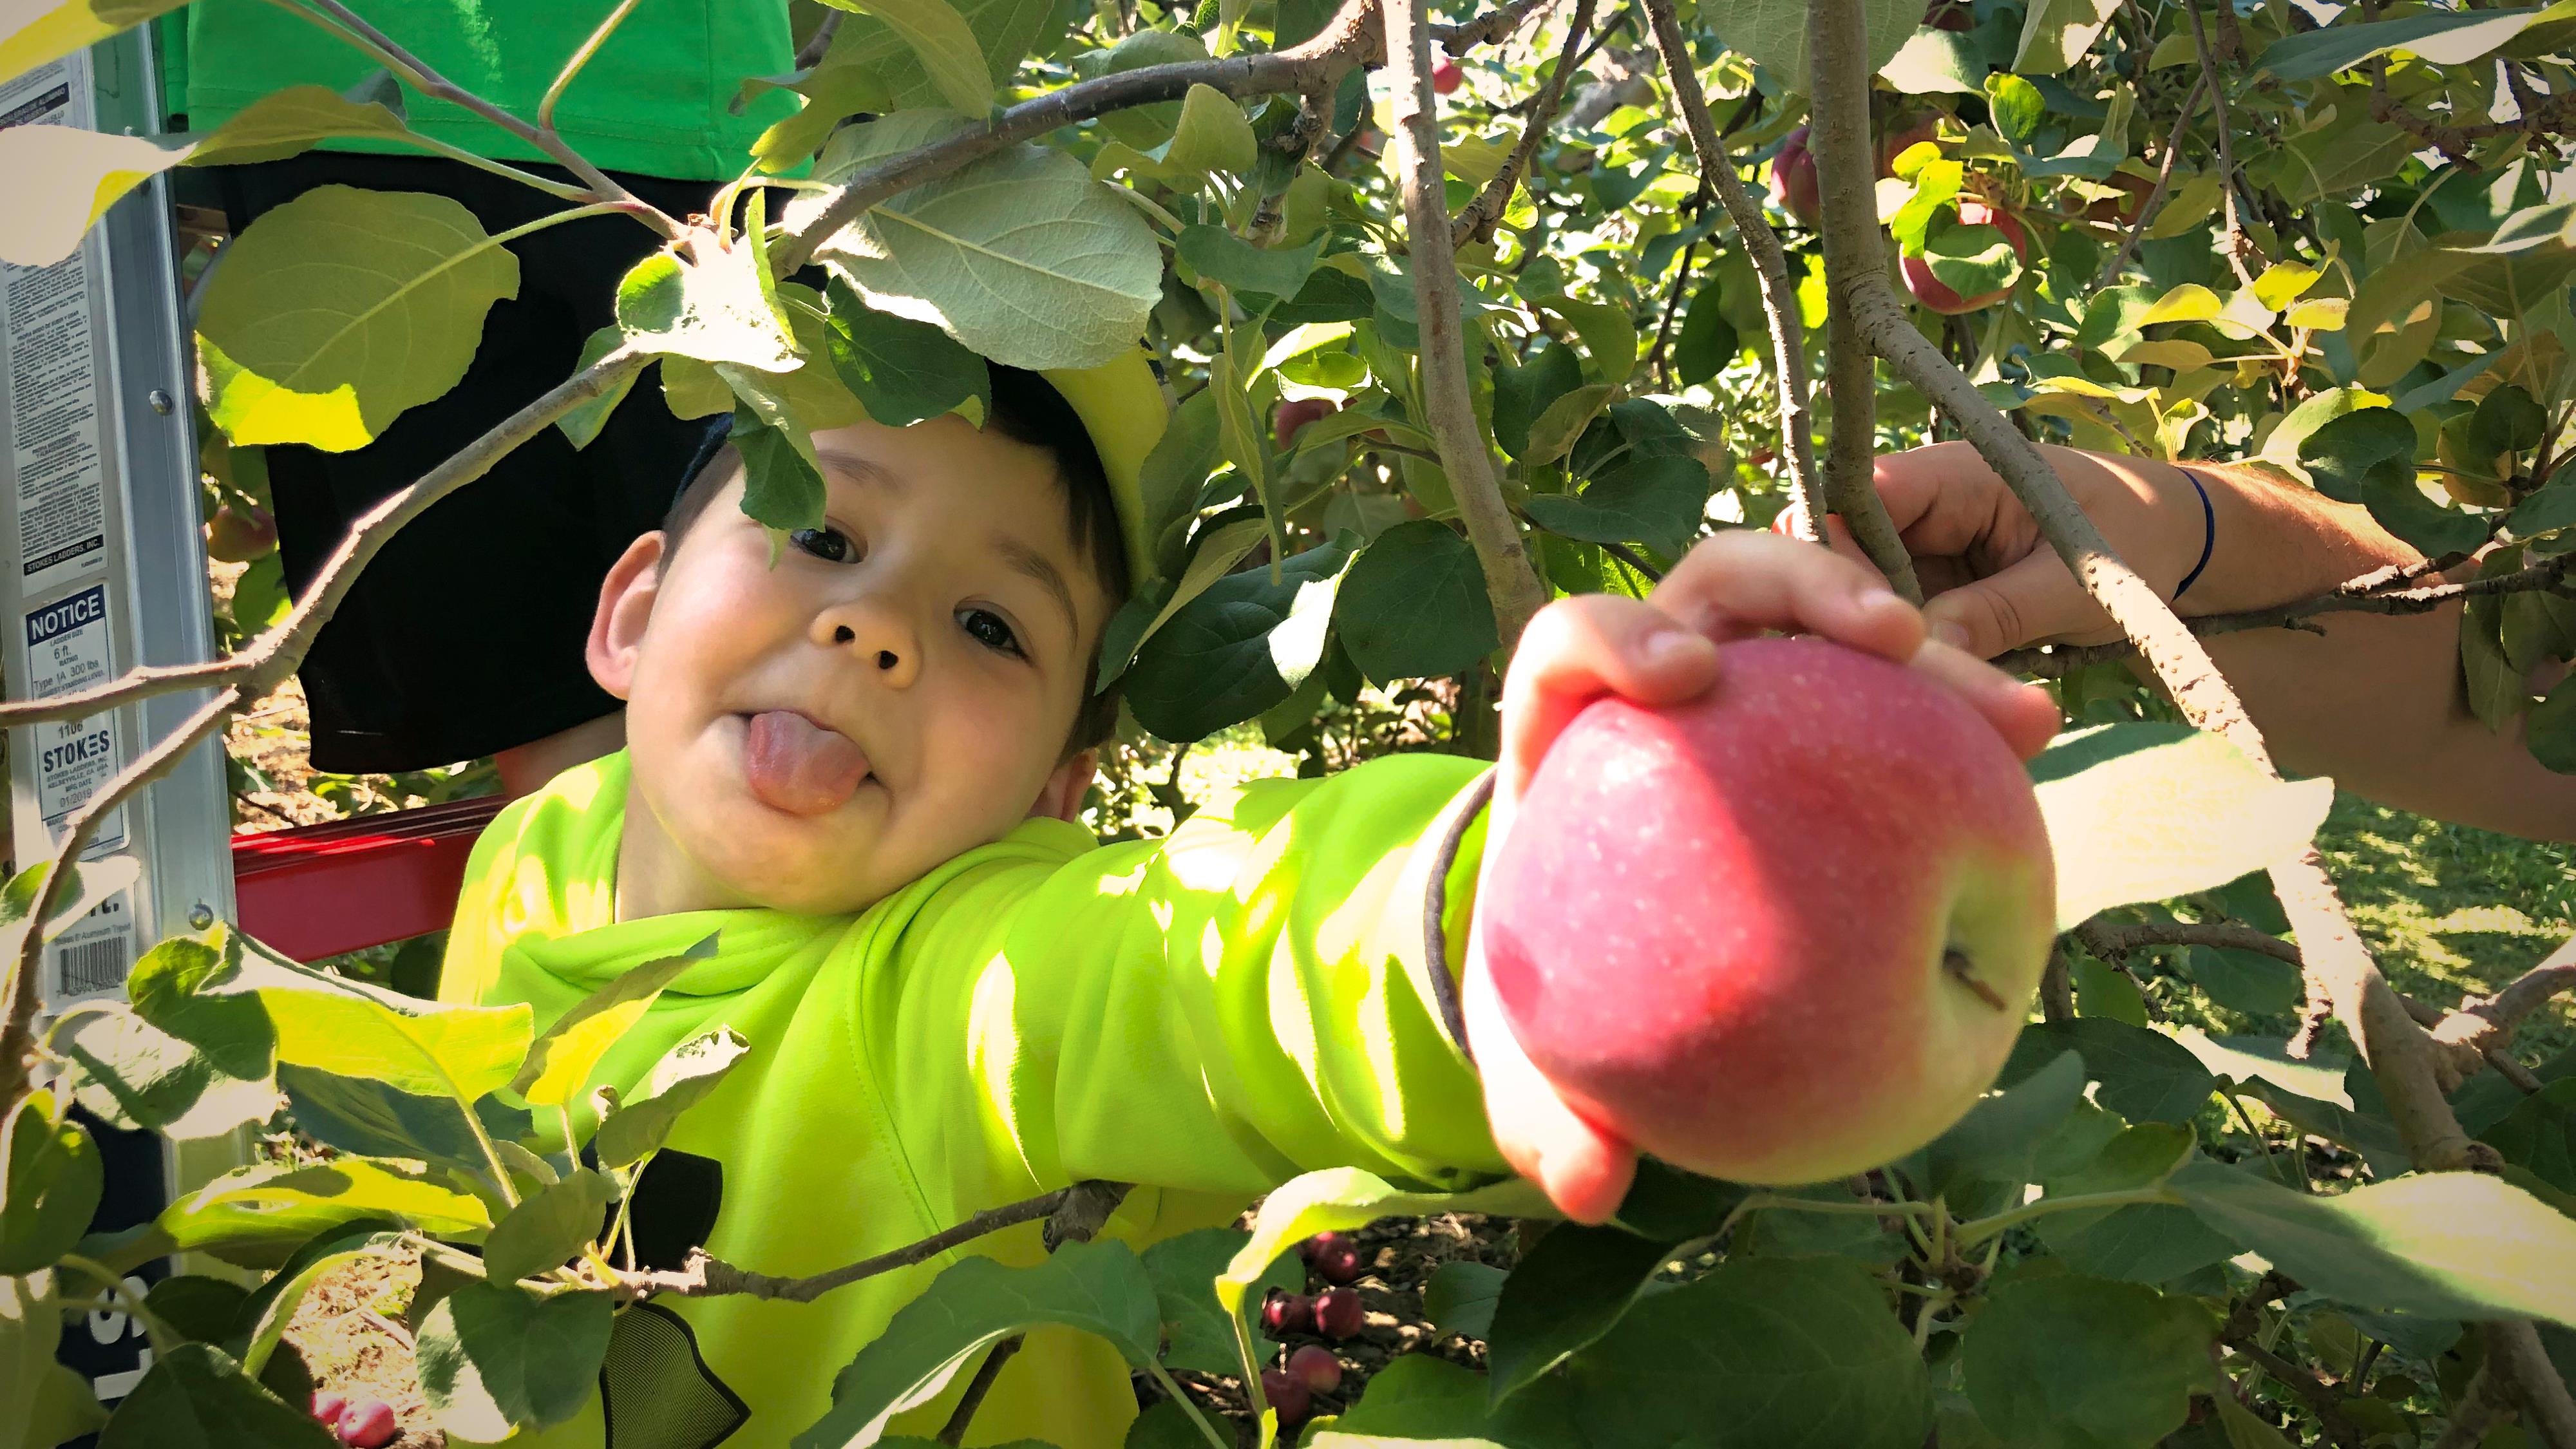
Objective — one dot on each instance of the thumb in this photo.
(2033, 600)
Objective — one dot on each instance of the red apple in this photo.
(1338, 1313)
(1285, 1313)
(1287, 1396)
(368, 1424)
(1784, 932)
(1316, 1368)
(1932, 292)
(1950, 15)
(328, 1407)
(1793, 179)
(1446, 77)
(1925, 127)
(1311, 1247)
(1339, 1263)
(1296, 413)
(238, 535)
(2121, 210)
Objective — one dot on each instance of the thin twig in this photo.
(1672, 307)
(1770, 263)
(1838, 134)
(704, 1276)
(819, 44)
(2155, 201)
(2321, 1400)
(954, 1431)
(1476, 221)
(1629, 556)
(333, 15)
(2234, 245)
(1414, 135)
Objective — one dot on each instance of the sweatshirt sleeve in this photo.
(1253, 997)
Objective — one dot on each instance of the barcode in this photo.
(90, 966)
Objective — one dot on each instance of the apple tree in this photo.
(1462, 308)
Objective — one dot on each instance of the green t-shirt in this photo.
(653, 101)
(1205, 1015)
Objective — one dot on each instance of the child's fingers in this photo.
(1743, 582)
(2023, 714)
(1579, 649)
(1582, 1169)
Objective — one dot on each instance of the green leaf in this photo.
(2539, 1134)
(2142, 1242)
(133, 1074)
(945, 46)
(1970, 260)
(1004, 30)
(366, 1117)
(2246, 981)
(1217, 553)
(900, 370)
(1936, 60)
(258, 1216)
(53, 1177)
(196, 1306)
(1773, 33)
(2508, 421)
(338, 311)
(1781, 1353)
(180, 987)
(1237, 649)
(1525, 392)
(1341, 1198)
(560, 1061)
(581, 426)
(197, 1397)
(546, 1229)
(1212, 136)
(2549, 730)
(1994, 1142)
(2368, 457)
(1609, 337)
(1224, 258)
(2015, 105)
(2056, 33)
(2283, 283)
(714, 310)
(1708, 341)
(2085, 1364)
(425, 1048)
(1656, 502)
(2443, 37)
(1414, 605)
(1566, 1292)
(2351, 151)
(2190, 302)
(1462, 1297)
(1198, 1334)
(960, 251)
(2550, 509)
(2145, 1075)
(2145, 812)
(2445, 1244)
(67, 178)
(1418, 1397)
(2104, 990)
(286, 122)
(781, 487)
(494, 1359)
(1099, 1288)
(682, 1079)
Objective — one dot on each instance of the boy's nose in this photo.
(877, 637)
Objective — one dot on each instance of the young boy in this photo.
(859, 767)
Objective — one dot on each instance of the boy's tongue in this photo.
(798, 766)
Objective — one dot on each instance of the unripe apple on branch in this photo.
(1784, 932)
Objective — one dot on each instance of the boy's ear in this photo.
(1060, 798)
(625, 606)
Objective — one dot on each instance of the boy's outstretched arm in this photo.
(1663, 650)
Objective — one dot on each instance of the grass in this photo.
(2450, 911)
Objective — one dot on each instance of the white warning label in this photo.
(52, 377)
(68, 649)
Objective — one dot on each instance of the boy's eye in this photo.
(989, 630)
(828, 544)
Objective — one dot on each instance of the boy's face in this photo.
(896, 689)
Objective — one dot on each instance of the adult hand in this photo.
(1991, 581)
(1663, 651)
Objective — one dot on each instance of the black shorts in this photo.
(465, 635)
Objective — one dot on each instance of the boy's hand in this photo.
(1663, 650)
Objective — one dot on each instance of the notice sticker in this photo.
(68, 649)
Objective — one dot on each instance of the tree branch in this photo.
(2321, 1400)
(2155, 201)
(349, 25)
(1414, 134)
(1476, 221)
(1855, 264)
(1770, 264)
(2531, 1381)
(706, 1276)
(2234, 245)
(1491, 26)
(2474, 1413)
(2105, 939)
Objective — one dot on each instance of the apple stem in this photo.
(1962, 970)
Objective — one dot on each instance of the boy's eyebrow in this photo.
(858, 469)
(1038, 566)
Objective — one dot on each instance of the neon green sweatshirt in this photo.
(654, 101)
(1206, 1016)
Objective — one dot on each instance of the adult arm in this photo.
(2375, 701)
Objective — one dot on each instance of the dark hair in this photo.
(1028, 410)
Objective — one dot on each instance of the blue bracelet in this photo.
(2209, 535)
